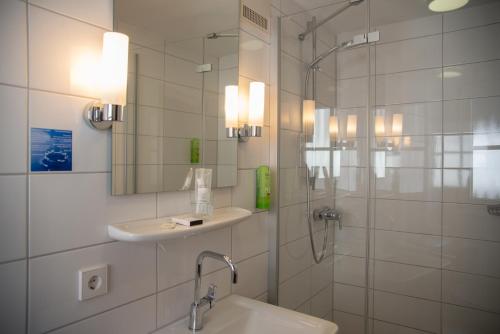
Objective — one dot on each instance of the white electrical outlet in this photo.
(92, 282)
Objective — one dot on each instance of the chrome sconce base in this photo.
(101, 116)
(244, 132)
(344, 144)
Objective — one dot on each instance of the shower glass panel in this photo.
(330, 139)
(401, 137)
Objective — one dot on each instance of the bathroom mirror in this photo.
(182, 54)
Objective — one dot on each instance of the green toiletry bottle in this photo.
(195, 151)
(263, 188)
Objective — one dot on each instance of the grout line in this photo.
(72, 249)
(404, 326)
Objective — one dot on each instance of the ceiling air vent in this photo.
(254, 17)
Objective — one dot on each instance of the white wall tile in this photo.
(349, 298)
(408, 216)
(133, 318)
(182, 72)
(412, 312)
(250, 237)
(409, 87)
(350, 323)
(182, 124)
(469, 221)
(149, 92)
(353, 211)
(350, 270)
(408, 280)
(381, 327)
(255, 152)
(471, 17)
(409, 184)
(13, 297)
(350, 241)
(244, 191)
(418, 118)
(475, 80)
(321, 274)
(469, 290)
(412, 151)
(295, 291)
(290, 147)
(292, 74)
(458, 186)
(53, 285)
(13, 38)
(150, 61)
(410, 248)
(61, 218)
(412, 54)
(424, 26)
(56, 111)
(352, 63)
(181, 254)
(321, 304)
(470, 115)
(294, 257)
(471, 45)
(291, 111)
(182, 98)
(13, 142)
(471, 256)
(293, 223)
(253, 58)
(468, 321)
(59, 48)
(352, 93)
(95, 11)
(252, 276)
(13, 221)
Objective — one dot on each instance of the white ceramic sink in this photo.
(240, 315)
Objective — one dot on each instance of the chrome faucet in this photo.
(328, 214)
(200, 306)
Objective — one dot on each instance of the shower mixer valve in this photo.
(327, 214)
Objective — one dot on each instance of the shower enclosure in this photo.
(389, 116)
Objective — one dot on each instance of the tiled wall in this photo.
(52, 224)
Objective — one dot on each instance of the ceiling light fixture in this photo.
(446, 5)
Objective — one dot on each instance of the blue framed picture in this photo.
(51, 150)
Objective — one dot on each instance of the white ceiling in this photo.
(179, 19)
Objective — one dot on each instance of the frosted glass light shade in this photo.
(308, 114)
(231, 103)
(256, 103)
(446, 5)
(114, 68)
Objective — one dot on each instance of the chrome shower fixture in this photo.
(311, 28)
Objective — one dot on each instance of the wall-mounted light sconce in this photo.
(240, 122)
(113, 87)
(308, 116)
(348, 141)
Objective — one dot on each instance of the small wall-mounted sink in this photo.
(241, 315)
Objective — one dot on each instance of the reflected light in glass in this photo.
(379, 125)
(308, 115)
(380, 164)
(334, 127)
(336, 164)
(114, 68)
(450, 74)
(446, 5)
(397, 124)
(231, 103)
(256, 103)
(352, 125)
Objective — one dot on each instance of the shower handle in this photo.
(327, 214)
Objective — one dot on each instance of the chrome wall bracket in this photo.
(244, 133)
(101, 116)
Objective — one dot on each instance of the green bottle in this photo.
(195, 151)
(263, 192)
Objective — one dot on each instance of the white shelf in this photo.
(160, 229)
